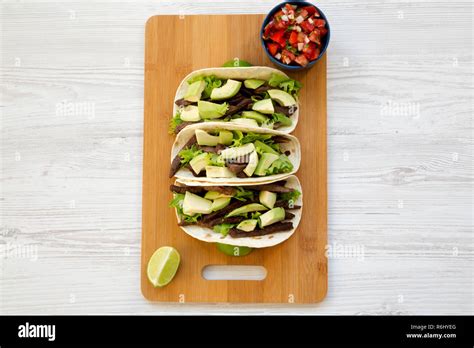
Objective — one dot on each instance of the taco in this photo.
(216, 152)
(252, 96)
(255, 216)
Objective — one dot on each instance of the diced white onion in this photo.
(298, 28)
(310, 20)
(306, 40)
(300, 46)
(291, 16)
(284, 18)
(278, 56)
(299, 19)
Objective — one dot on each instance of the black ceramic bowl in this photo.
(324, 44)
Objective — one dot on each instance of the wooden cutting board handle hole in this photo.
(233, 272)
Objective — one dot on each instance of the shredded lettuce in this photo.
(211, 83)
(223, 228)
(188, 154)
(281, 165)
(290, 196)
(243, 194)
(216, 160)
(288, 85)
(174, 122)
(241, 139)
(283, 119)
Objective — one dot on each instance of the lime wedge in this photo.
(233, 250)
(162, 266)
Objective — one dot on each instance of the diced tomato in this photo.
(307, 26)
(279, 24)
(267, 30)
(273, 48)
(301, 60)
(293, 40)
(315, 36)
(290, 9)
(311, 10)
(277, 37)
(311, 51)
(287, 57)
(323, 31)
(278, 15)
(303, 13)
(319, 23)
(301, 36)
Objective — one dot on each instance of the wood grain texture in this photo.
(297, 268)
(400, 186)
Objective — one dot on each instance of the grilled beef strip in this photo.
(279, 139)
(271, 188)
(182, 102)
(226, 190)
(236, 99)
(177, 160)
(225, 220)
(233, 109)
(286, 205)
(242, 175)
(224, 211)
(182, 125)
(262, 89)
(200, 175)
(289, 216)
(183, 189)
(210, 149)
(220, 147)
(285, 110)
(277, 227)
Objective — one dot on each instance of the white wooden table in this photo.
(400, 157)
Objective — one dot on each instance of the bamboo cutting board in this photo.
(297, 268)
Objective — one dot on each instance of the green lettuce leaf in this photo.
(290, 196)
(216, 160)
(223, 228)
(243, 194)
(188, 154)
(211, 83)
(174, 122)
(281, 165)
(283, 119)
(288, 85)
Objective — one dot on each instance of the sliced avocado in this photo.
(225, 137)
(215, 195)
(205, 139)
(283, 98)
(264, 147)
(271, 216)
(199, 162)
(237, 152)
(194, 204)
(247, 225)
(265, 106)
(233, 250)
(194, 91)
(267, 198)
(190, 113)
(220, 203)
(245, 122)
(247, 209)
(218, 172)
(253, 162)
(264, 163)
(230, 89)
(254, 115)
(253, 83)
(211, 110)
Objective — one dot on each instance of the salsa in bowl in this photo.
(295, 35)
